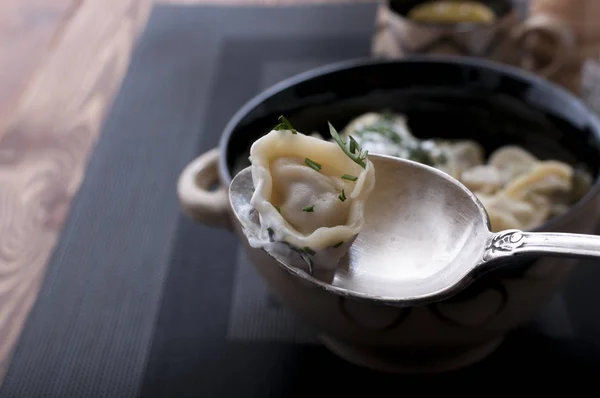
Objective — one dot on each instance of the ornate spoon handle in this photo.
(510, 243)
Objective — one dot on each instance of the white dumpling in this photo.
(297, 187)
(512, 161)
(309, 214)
(383, 134)
(503, 213)
(529, 199)
(396, 123)
(483, 178)
(545, 178)
(460, 156)
(506, 212)
(361, 122)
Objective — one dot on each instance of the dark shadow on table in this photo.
(525, 359)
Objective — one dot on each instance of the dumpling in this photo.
(296, 187)
(545, 178)
(381, 133)
(512, 161)
(389, 134)
(371, 122)
(310, 195)
(529, 199)
(506, 212)
(504, 165)
(460, 156)
(483, 178)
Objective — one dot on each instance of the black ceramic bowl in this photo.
(442, 97)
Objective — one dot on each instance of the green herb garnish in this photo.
(383, 126)
(353, 145)
(303, 254)
(277, 208)
(442, 158)
(312, 164)
(349, 177)
(309, 250)
(387, 114)
(342, 196)
(357, 155)
(285, 124)
(338, 244)
(309, 209)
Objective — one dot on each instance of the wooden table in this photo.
(62, 63)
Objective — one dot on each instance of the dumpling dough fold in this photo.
(309, 215)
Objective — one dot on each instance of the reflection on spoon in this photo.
(425, 238)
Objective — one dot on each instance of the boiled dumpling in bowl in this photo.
(504, 165)
(517, 189)
(388, 134)
(459, 156)
(543, 178)
(533, 192)
(310, 195)
(506, 212)
(511, 161)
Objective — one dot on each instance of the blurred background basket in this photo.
(580, 72)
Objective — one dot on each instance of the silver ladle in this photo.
(425, 238)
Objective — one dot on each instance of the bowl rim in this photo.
(593, 120)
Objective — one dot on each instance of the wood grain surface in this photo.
(55, 118)
(62, 63)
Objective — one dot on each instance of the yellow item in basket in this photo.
(452, 11)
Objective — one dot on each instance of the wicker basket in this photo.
(582, 17)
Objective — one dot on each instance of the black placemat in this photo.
(138, 300)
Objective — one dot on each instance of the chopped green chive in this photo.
(277, 208)
(285, 124)
(309, 250)
(355, 153)
(353, 145)
(312, 164)
(342, 196)
(338, 244)
(303, 254)
(387, 114)
(309, 209)
(349, 177)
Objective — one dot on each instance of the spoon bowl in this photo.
(425, 238)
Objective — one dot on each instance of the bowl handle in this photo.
(200, 202)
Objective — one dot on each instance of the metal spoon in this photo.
(425, 238)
